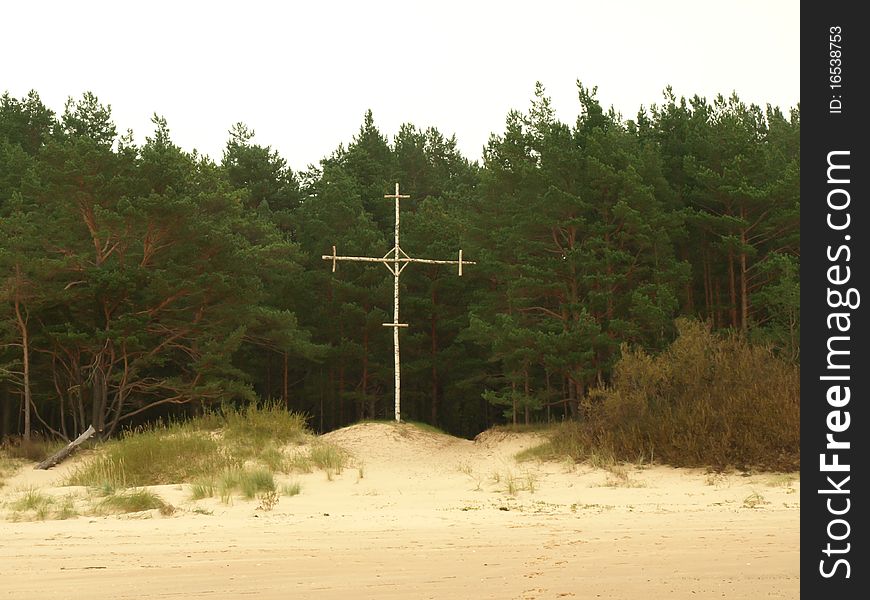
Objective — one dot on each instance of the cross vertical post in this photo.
(397, 375)
(395, 260)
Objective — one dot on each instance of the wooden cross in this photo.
(396, 260)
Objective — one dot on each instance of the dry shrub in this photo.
(708, 400)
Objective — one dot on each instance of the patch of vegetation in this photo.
(268, 500)
(153, 456)
(33, 505)
(523, 428)
(514, 484)
(708, 400)
(250, 430)
(8, 468)
(754, 500)
(249, 482)
(202, 489)
(328, 457)
(194, 450)
(37, 449)
(136, 500)
(321, 455)
(32, 500)
(291, 489)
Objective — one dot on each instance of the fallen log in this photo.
(62, 454)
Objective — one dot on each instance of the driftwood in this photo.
(63, 454)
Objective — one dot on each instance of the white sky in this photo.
(302, 74)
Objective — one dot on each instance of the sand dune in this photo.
(425, 515)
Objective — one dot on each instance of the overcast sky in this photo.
(302, 74)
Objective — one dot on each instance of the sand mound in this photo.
(396, 443)
(509, 443)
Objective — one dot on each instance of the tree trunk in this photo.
(526, 391)
(285, 394)
(434, 413)
(708, 290)
(341, 394)
(365, 374)
(21, 320)
(732, 290)
(61, 455)
(689, 289)
(744, 285)
(267, 391)
(99, 400)
(6, 418)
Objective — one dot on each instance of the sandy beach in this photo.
(424, 515)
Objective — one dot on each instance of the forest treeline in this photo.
(143, 282)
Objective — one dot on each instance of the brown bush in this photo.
(708, 400)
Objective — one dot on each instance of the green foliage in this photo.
(146, 282)
(255, 425)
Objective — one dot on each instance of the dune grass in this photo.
(34, 505)
(193, 451)
(8, 468)
(155, 456)
(291, 489)
(135, 500)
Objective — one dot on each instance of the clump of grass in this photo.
(34, 505)
(715, 479)
(300, 463)
(136, 500)
(254, 481)
(328, 457)
(261, 426)
(707, 400)
(67, 509)
(249, 482)
(274, 459)
(183, 452)
(154, 456)
(514, 484)
(32, 500)
(202, 489)
(291, 489)
(754, 500)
